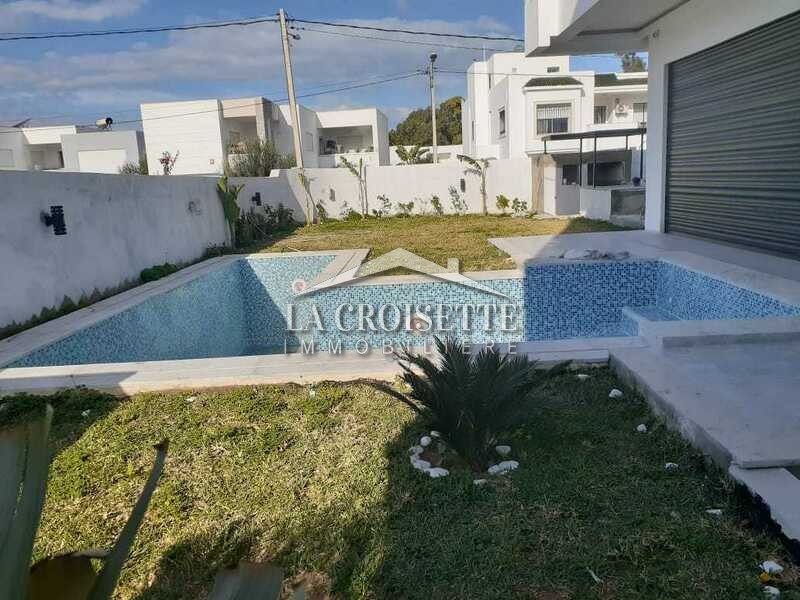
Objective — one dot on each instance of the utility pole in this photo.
(287, 63)
(433, 107)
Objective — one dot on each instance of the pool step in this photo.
(779, 489)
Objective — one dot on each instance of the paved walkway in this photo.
(731, 387)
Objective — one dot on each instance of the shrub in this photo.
(520, 207)
(502, 203)
(469, 399)
(132, 168)
(458, 204)
(386, 207)
(404, 209)
(351, 215)
(157, 272)
(437, 206)
(256, 158)
(254, 227)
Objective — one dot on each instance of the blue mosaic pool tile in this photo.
(575, 300)
(242, 308)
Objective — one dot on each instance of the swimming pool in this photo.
(251, 306)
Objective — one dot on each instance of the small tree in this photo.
(305, 181)
(168, 161)
(132, 168)
(359, 171)
(502, 203)
(477, 167)
(228, 196)
(256, 158)
(414, 155)
(632, 62)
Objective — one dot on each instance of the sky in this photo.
(80, 80)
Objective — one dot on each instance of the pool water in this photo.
(242, 308)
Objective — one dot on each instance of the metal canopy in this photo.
(593, 135)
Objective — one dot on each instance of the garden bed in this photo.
(320, 482)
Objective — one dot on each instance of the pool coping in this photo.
(132, 377)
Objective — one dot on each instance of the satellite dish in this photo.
(104, 123)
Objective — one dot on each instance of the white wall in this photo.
(116, 226)
(192, 128)
(694, 26)
(101, 151)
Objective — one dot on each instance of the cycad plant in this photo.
(413, 155)
(468, 398)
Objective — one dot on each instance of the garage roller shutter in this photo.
(733, 141)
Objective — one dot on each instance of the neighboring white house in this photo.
(207, 133)
(513, 100)
(68, 148)
(723, 103)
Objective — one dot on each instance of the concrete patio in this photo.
(730, 387)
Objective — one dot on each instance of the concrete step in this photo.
(779, 489)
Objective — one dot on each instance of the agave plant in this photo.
(468, 398)
(228, 196)
(24, 464)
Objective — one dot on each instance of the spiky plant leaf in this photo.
(24, 461)
(248, 581)
(468, 398)
(109, 575)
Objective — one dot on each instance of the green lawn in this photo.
(323, 485)
(435, 238)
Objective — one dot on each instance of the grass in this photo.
(323, 485)
(435, 238)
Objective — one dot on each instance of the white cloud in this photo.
(233, 59)
(69, 10)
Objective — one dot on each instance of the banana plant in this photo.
(24, 463)
(228, 196)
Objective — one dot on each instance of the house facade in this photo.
(205, 134)
(723, 104)
(68, 148)
(514, 100)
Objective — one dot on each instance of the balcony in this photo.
(335, 159)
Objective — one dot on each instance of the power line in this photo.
(104, 32)
(368, 83)
(398, 41)
(411, 31)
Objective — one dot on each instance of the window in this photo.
(553, 69)
(569, 174)
(552, 118)
(473, 132)
(640, 112)
(600, 114)
(502, 121)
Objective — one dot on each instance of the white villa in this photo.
(723, 103)
(513, 100)
(68, 148)
(206, 133)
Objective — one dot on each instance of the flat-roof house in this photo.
(205, 134)
(68, 148)
(723, 134)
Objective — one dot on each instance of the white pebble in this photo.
(642, 428)
(438, 472)
(716, 512)
(420, 464)
(670, 466)
(312, 393)
(771, 591)
(435, 434)
(85, 413)
(479, 482)
(503, 467)
(771, 567)
(414, 450)
(503, 450)
(425, 441)
(582, 376)
(615, 393)
(191, 398)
